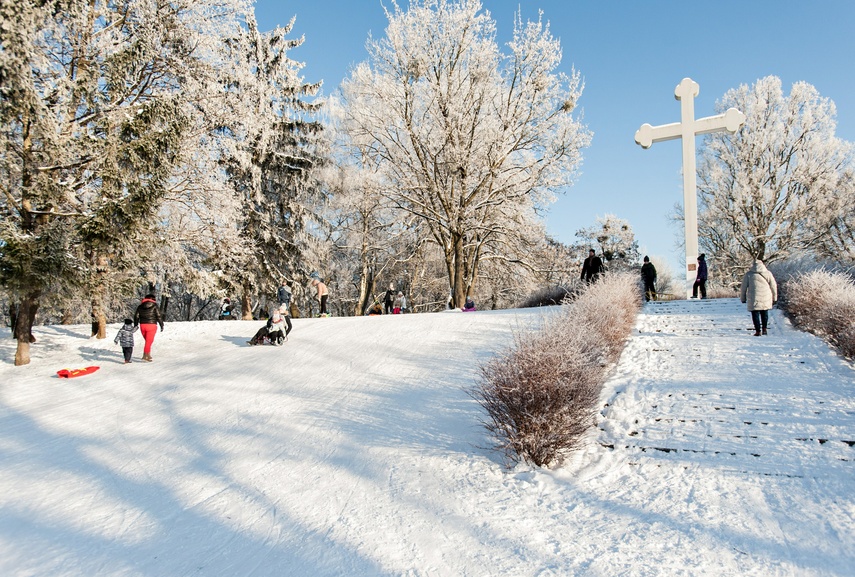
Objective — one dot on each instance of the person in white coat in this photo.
(759, 292)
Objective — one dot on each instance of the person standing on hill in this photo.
(648, 275)
(322, 296)
(400, 304)
(389, 298)
(592, 268)
(147, 317)
(701, 279)
(759, 292)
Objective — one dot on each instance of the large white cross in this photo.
(687, 129)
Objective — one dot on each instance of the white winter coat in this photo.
(759, 290)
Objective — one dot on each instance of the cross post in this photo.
(686, 130)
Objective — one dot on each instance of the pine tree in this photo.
(271, 149)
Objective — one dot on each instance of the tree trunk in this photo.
(99, 319)
(26, 316)
(366, 287)
(458, 286)
(246, 304)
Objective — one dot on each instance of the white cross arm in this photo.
(647, 134)
(729, 121)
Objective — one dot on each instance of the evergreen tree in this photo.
(93, 101)
(271, 149)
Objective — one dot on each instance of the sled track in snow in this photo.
(756, 405)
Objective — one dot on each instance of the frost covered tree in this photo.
(771, 190)
(271, 148)
(368, 239)
(838, 241)
(472, 141)
(93, 98)
(613, 238)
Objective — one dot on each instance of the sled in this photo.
(71, 373)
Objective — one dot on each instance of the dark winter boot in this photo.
(764, 331)
(757, 333)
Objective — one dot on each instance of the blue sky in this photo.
(631, 55)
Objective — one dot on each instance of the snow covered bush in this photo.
(823, 302)
(549, 296)
(541, 394)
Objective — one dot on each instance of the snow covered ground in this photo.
(354, 450)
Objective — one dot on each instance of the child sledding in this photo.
(274, 332)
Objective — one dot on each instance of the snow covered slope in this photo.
(354, 450)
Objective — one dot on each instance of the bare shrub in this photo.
(541, 394)
(823, 303)
(550, 296)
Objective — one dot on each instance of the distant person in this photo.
(469, 305)
(759, 292)
(375, 309)
(322, 296)
(283, 294)
(701, 279)
(389, 298)
(226, 310)
(125, 338)
(592, 268)
(648, 276)
(400, 304)
(147, 317)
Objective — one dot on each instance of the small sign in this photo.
(693, 266)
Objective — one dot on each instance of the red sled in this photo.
(71, 373)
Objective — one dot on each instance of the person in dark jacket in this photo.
(274, 331)
(147, 318)
(701, 279)
(389, 298)
(592, 268)
(648, 276)
(284, 294)
(125, 338)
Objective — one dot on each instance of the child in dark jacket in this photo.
(125, 337)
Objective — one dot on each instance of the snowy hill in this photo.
(354, 450)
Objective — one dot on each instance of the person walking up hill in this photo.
(648, 275)
(759, 292)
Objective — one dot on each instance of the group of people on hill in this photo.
(146, 319)
(758, 290)
(394, 303)
(648, 278)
